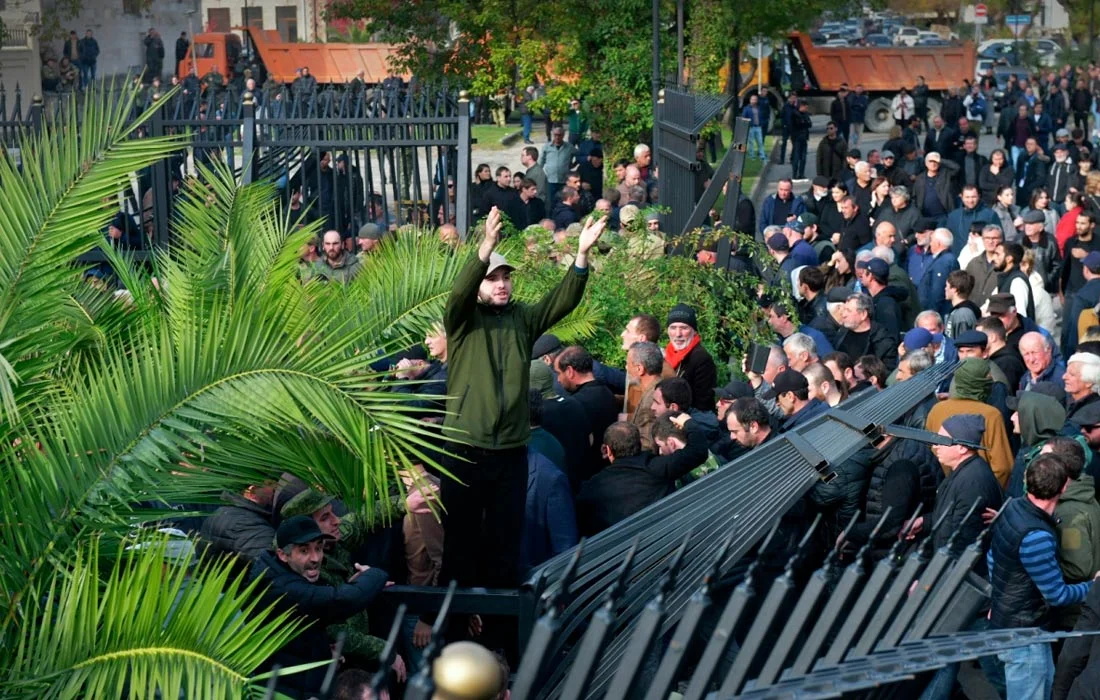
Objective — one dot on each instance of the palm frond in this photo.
(155, 627)
(53, 213)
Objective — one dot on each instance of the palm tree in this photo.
(215, 370)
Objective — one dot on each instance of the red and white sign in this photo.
(980, 10)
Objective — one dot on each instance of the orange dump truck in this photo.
(328, 63)
(882, 71)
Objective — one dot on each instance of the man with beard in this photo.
(1011, 280)
(1083, 242)
(337, 264)
(488, 403)
(685, 354)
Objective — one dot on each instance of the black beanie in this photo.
(682, 313)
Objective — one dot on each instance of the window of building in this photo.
(252, 17)
(133, 7)
(286, 21)
(217, 19)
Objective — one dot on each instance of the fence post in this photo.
(462, 171)
(248, 139)
(161, 185)
(34, 114)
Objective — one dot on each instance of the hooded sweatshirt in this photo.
(1078, 517)
(1041, 418)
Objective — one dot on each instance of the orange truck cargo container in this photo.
(818, 71)
(334, 63)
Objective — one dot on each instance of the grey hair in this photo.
(900, 191)
(928, 313)
(864, 256)
(918, 361)
(994, 227)
(863, 302)
(649, 356)
(800, 342)
(944, 236)
(1090, 369)
(885, 253)
(776, 356)
(770, 231)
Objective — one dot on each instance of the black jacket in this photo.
(1032, 171)
(942, 183)
(318, 604)
(241, 528)
(888, 313)
(602, 410)
(876, 341)
(700, 372)
(1016, 599)
(970, 481)
(564, 418)
(629, 484)
(855, 232)
(841, 498)
(1077, 674)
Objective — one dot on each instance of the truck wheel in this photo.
(879, 118)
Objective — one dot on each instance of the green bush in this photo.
(625, 283)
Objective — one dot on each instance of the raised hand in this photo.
(492, 234)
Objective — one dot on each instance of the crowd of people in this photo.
(913, 256)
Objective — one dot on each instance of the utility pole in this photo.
(656, 77)
(1092, 30)
(680, 43)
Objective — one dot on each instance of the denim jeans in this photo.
(1029, 672)
(527, 121)
(87, 74)
(756, 137)
(783, 145)
(857, 131)
(942, 685)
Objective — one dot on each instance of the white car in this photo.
(927, 35)
(907, 36)
(981, 66)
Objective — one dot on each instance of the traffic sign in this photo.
(1018, 19)
(980, 10)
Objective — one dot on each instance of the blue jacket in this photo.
(765, 114)
(824, 347)
(916, 263)
(931, 284)
(804, 254)
(1053, 373)
(550, 520)
(767, 210)
(960, 220)
(1085, 298)
(857, 107)
(811, 410)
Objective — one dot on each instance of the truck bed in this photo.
(328, 63)
(887, 68)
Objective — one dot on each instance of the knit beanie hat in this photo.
(682, 313)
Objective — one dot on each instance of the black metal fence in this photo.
(348, 156)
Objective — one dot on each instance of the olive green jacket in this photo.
(489, 356)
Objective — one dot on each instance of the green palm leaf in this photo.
(53, 213)
(151, 629)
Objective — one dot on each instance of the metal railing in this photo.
(349, 156)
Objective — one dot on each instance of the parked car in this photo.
(838, 42)
(981, 66)
(877, 40)
(933, 41)
(926, 35)
(907, 36)
(1047, 50)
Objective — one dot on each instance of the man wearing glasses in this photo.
(982, 269)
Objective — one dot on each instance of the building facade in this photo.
(120, 27)
(295, 20)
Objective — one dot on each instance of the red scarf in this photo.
(674, 357)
